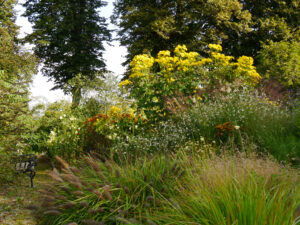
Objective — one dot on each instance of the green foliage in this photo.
(16, 68)
(66, 131)
(6, 167)
(105, 92)
(271, 21)
(281, 61)
(165, 137)
(14, 110)
(267, 124)
(150, 26)
(239, 120)
(176, 189)
(57, 132)
(7, 16)
(68, 37)
(102, 131)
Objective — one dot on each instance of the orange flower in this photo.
(223, 127)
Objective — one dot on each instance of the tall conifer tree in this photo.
(68, 37)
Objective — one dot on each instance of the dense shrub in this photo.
(102, 131)
(166, 136)
(56, 132)
(239, 120)
(270, 126)
(281, 61)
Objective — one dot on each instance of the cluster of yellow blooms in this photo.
(221, 58)
(245, 65)
(125, 83)
(215, 47)
(114, 110)
(181, 61)
(140, 65)
(184, 61)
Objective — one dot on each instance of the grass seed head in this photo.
(100, 210)
(55, 175)
(61, 197)
(106, 192)
(68, 205)
(52, 213)
(109, 166)
(94, 184)
(75, 170)
(126, 189)
(62, 162)
(149, 198)
(84, 204)
(78, 193)
(98, 194)
(93, 164)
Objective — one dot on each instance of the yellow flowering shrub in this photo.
(168, 74)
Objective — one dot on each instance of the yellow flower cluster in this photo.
(215, 47)
(166, 62)
(124, 83)
(114, 110)
(244, 64)
(221, 58)
(184, 61)
(140, 65)
(179, 49)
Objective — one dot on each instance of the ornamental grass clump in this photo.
(177, 189)
(233, 190)
(109, 193)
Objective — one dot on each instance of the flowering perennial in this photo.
(184, 72)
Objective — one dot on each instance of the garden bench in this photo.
(25, 164)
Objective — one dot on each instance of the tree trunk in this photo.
(76, 96)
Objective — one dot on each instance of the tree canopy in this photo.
(148, 26)
(68, 37)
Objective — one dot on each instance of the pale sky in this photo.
(40, 89)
